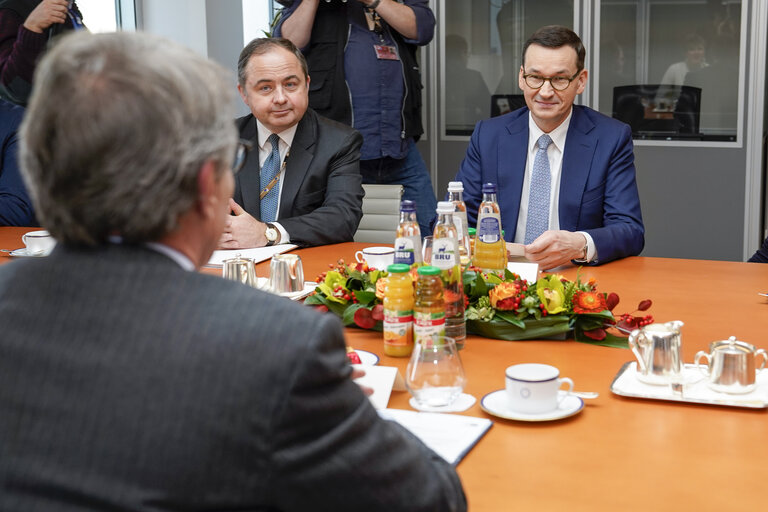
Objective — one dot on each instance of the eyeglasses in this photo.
(558, 83)
(241, 152)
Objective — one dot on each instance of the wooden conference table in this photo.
(619, 453)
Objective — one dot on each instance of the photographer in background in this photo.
(362, 62)
(26, 27)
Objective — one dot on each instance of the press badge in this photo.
(385, 52)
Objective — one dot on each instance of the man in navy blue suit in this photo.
(565, 173)
(761, 256)
(15, 205)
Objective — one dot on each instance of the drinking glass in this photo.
(426, 250)
(435, 375)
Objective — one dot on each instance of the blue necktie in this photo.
(538, 198)
(269, 170)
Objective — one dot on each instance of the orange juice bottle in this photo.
(490, 248)
(398, 311)
(429, 307)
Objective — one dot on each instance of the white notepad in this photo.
(449, 435)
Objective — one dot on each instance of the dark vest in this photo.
(328, 92)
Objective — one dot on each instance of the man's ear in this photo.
(207, 188)
(242, 93)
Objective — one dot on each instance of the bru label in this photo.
(489, 230)
(398, 327)
(444, 253)
(426, 324)
(407, 250)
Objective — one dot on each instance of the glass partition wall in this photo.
(668, 68)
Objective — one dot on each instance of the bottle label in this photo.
(489, 230)
(444, 253)
(428, 324)
(398, 327)
(459, 223)
(407, 250)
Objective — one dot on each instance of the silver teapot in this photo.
(731, 365)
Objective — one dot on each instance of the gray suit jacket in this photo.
(128, 384)
(322, 195)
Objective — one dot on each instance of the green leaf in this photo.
(348, 318)
(367, 298)
(554, 326)
(511, 318)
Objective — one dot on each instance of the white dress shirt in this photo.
(555, 156)
(265, 148)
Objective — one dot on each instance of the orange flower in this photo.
(381, 287)
(505, 296)
(588, 302)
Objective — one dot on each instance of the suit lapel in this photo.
(298, 163)
(577, 162)
(248, 183)
(511, 171)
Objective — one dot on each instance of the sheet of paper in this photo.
(257, 254)
(381, 379)
(449, 435)
(528, 271)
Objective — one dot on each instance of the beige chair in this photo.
(381, 214)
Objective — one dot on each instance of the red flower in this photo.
(588, 302)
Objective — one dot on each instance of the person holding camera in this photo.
(26, 26)
(362, 61)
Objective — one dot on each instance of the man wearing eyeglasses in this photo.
(565, 173)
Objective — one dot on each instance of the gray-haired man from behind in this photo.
(130, 382)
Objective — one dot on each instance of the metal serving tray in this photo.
(693, 390)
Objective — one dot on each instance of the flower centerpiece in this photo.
(507, 308)
(513, 309)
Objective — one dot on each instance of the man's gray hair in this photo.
(116, 132)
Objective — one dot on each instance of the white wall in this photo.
(183, 21)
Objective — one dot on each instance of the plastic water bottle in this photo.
(408, 241)
(445, 256)
(455, 195)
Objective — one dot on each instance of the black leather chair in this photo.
(640, 107)
(514, 101)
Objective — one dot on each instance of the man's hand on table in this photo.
(555, 248)
(242, 231)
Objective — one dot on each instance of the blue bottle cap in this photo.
(489, 188)
(407, 205)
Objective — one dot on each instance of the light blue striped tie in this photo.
(538, 198)
(269, 170)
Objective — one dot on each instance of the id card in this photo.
(384, 52)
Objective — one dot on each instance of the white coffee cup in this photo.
(376, 257)
(38, 242)
(532, 388)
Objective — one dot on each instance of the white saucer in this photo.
(495, 403)
(367, 358)
(462, 403)
(24, 253)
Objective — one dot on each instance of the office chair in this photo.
(381, 214)
(640, 107)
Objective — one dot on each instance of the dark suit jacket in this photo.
(322, 193)
(15, 204)
(598, 192)
(128, 384)
(761, 255)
